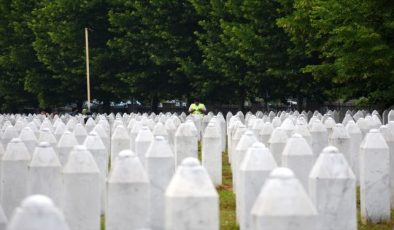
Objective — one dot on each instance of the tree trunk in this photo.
(155, 103)
(79, 106)
(106, 106)
(241, 102)
(299, 102)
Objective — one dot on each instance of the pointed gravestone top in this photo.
(288, 126)
(331, 165)
(246, 141)
(94, 141)
(278, 136)
(329, 123)
(348, 117)
(79, 130)
(90, 123)
(144, 135)
(191, 180)
(317, 126)
(170, 125)
(128, 169)
(60, 128)
(258, 158)
(374, 140)
(47, 136)
(67, 140)
(352, 128)
(184, 130)
(390, 116)
(362, 124)
(159, 148)
(276, 122)
(339, 132)
(211, 131)
(10, 132)
(45, 156)
(80, 161)
(120, 133)
(283, 195)
(27, 134)
(16, 150)
(267, 129)
(37, 212)
(160, 130)
(296, 145)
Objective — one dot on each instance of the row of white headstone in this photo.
(142, 180)
(297, 144)
(73, 175)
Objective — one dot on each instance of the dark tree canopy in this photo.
(222, 51)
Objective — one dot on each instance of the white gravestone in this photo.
(277, 143)
(142, 142)
(191, 199)
(29, 138)
(288, 126)
(186, 143)
(65, 145)
(96, 147)
(37, 212)
(133, 134)
(388, 134)
(171, 129)
(9, 133)
(266, 132)
(298, 156)
(45, 174)
(128, 194)
(81, 202)
(332, 187)
(246, 141)
(80, 133)
(160, 166)
(160, 130)
(212, 153)
(283, 204)
(319, 137)
(90, 124)
(14, 175)
(356, 138)
(255, 169)
(374, 178)
(104, 137)
(47, 136)
(340, 138)
(120, 140)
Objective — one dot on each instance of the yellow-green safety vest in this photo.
(198, 109)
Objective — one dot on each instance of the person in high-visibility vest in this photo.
(197, 108)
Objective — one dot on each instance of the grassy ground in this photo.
(227, 205)
(227, 198)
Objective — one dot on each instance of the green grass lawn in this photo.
(227, 204)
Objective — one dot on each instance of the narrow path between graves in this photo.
(227, 197)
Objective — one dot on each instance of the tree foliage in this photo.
(223, 51)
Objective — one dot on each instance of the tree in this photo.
(353, 41)
(229, 73)
(17, 57)
(58, 26)
(155, 41)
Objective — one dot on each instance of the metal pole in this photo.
(87, 66)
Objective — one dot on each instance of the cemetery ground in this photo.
(227, 204)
